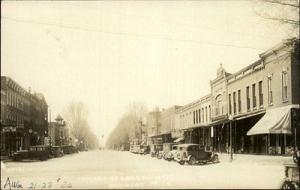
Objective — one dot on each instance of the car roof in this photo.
(187, 145)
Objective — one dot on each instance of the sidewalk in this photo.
(255, 159)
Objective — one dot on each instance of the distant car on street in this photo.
(155, 148)
(70, 149)
(144, 149)
(56, 151)
(195, 154)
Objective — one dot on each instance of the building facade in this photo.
(154, 127)
(254, 110)
(59, 132)
(194, 121)
(23, 117)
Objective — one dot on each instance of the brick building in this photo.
(254, 110)
(59, 132)
(154, 126)
(23, 117)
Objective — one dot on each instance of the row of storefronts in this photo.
(252, 111)
(23, 117)
(24, 120)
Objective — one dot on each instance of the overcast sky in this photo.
(108, 54)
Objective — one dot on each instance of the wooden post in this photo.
(269, 143)
(284, 143)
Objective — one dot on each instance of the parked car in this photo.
(167, 147)
(292, 173)
(171, 155)
(135, 149)
(70, 149)
(155, 148)
(39, 152)
(56, 151)
(195, 154)
(21, 154)
(144, 149)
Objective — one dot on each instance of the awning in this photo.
(179, 139)
(275, 121)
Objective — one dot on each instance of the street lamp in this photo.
(231, 153)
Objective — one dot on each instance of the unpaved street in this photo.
(114, 169)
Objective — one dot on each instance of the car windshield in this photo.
(181, 148)
(174, 147)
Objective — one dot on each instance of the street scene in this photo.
(122, 169)
(150, 95)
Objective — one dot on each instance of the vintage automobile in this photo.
(292, 173)
(167, 147)
(56, 151)
(39, 152)
(155, 148)
(136, 149)
(144, 149)
(69, 149)
(195, 154)
(171, 155)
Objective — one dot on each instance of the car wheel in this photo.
(192, 160)
(181, 162)
(289, 185)
(215, 159)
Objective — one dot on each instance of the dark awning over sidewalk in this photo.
(275, 121)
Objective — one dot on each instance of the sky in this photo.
(108, 54)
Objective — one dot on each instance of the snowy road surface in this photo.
(114, 169)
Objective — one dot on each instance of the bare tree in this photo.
(76, 115)
(284, 12)
(129, 126)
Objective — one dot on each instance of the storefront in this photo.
(12, 140)
(275, 132)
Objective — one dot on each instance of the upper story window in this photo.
(209, 113)
(261, 97)
(199, 117)
(234, 102)
(194, 117)
(206, 114)
(219, 106)
(229, 103)
(239, 101)
(254, 95)
(202, 115)
(284, 86)
(270, 92)
(248, 97)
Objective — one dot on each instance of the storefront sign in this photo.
(8, 129)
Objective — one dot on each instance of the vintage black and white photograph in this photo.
(177, 94)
